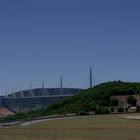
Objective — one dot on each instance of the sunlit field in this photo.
(102, 127)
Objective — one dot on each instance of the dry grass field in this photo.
(102, 127)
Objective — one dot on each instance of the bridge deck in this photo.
(30, 97)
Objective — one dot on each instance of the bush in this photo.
(120, 109)
(112, 109)
(97, 109)
(105, 110)
(138, 109)
(82, 113)
(114, 102)
(132, 100)
(126, 109)
(101, 110)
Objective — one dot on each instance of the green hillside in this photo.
(97, 99)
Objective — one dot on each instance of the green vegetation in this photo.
(97, 99)
(138, 109)
(131, 100)
(119, 88)
(114, 102)
(120, 109)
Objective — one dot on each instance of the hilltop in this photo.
(118, 88)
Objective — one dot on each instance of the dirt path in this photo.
(131, 116)
(42, 120)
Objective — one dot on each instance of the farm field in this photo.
(98, 127)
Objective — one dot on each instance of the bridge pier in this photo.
(20, 105)
(43, 103)
(30, 105)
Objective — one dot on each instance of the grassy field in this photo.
(104, 127)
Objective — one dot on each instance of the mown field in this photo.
(100, 127)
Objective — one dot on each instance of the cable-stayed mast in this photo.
(61, 85)
(30, 99)
(91, 82)
(43, 88)
(31, 91)
(47, 91)
(21, 92)
(13, 93)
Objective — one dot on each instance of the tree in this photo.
(132, 100)
(120, 109)
(114, 102)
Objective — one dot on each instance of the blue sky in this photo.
(42, 39)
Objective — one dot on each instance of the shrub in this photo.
(138, 109)
(97, 109)
(105, 110)
(114, 102)
(101, 110)
(126, 109)
(120, 109)
(82, 113)
(132, 100)
(112, 109)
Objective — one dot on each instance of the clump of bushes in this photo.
(102, 110)
(120, 109)
(138, 109)
(114, 102)
(105, 110)
(112, 109)
(132, 100)
(82, 113)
